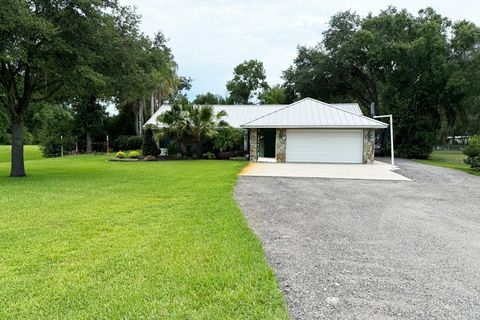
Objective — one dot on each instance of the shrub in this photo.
(134, 142)
(472, 151)
(172, 149)
(120, 143)
(228, 138)
(209, 155)
(51, 146)
(121, 155)
(149, 147)
(133, 155)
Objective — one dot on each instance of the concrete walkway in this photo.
(376, 171)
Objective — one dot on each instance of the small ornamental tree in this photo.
(149, 147)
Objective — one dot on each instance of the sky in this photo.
(210, 37)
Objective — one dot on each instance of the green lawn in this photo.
(30, 153)
(83, 238)
(449, 159)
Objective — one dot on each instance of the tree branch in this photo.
(8, 82)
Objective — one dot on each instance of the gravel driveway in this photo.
(357, 249)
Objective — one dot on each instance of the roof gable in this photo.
(311, 113)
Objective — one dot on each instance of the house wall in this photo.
(281, 145)
(253, 145)
(368, 145)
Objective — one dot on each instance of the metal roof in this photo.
(311, 113)
(304, 113)
(236, 114)
(350, 107)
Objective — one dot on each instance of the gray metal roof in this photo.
(350, 107)
(311, 113)
(304, 113)
(236, 114)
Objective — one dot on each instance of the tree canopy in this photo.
(419, 68)
(249, 79)
(273, 95)
(209, 98)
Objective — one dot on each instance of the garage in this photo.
(313, 131)
(326, 146)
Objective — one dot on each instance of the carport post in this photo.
(391, 137)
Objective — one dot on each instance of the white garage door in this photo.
(330, 146)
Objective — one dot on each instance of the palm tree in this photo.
(273, 95)
(175, 124)
(202, 122)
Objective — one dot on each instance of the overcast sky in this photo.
(210, 37)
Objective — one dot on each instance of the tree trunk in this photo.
(88, 137)
(136, 116)
(142, 113)
(199, 149)
(17, 166)
(152, 105)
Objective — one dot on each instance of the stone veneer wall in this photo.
(368, 145)
(253, 145)
(281, 145)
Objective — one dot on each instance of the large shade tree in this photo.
(92, 85)
(41, 48)
(84, 53)
(410, 66)
(249, 80)
(147, 73)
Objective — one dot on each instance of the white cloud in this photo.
(210, 37)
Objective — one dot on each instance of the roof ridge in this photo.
(286, 106)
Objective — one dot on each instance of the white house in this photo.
(305, 131)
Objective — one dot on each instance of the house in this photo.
(305, 131)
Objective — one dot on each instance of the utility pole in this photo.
(391, 138)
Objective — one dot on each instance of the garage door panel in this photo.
(329, 146)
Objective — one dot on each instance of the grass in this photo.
(449, 159)
(30, 153)
(83, 238)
